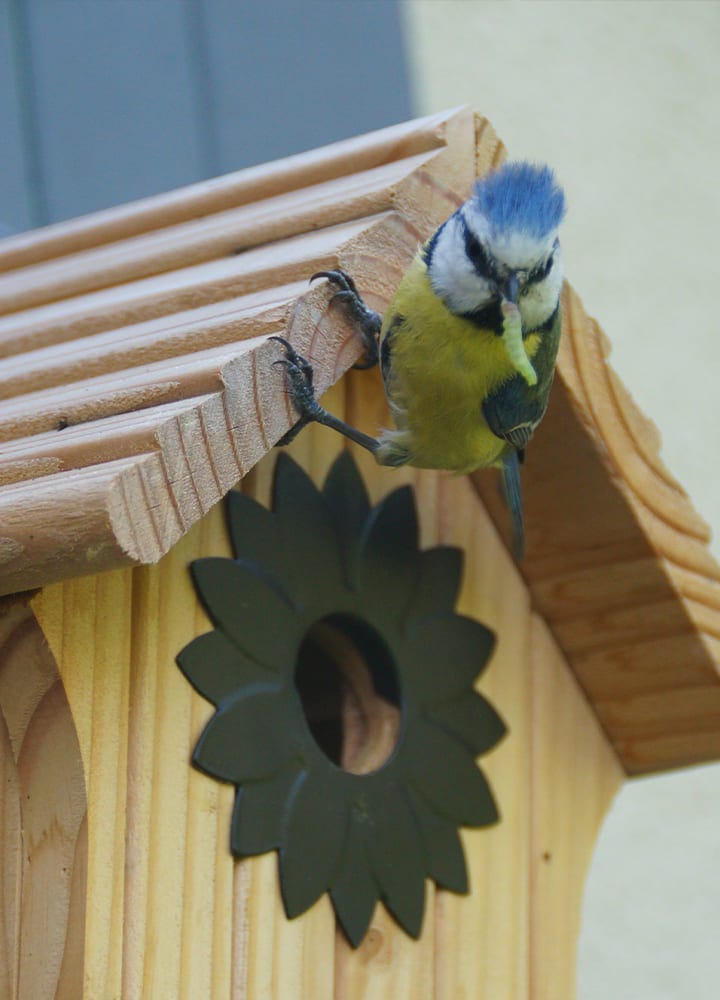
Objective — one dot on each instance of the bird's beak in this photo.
(511, 288)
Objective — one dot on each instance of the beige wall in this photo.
(623, 98)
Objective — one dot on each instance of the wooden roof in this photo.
(137, 388)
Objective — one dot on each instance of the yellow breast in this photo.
(442, 367)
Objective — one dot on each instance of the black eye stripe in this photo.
(486, 267)
(477, 254)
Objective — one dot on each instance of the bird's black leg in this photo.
(367, 320)
(299, 373)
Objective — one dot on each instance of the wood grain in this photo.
(575, 775)
(134, 353)
(44, 851)
(618, 564)
(168, 911)
(483, 945)
(221, 193)
(139, 387)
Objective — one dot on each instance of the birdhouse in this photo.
(277, 722)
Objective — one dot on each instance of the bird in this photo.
(468, 344)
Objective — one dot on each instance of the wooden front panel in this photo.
(170, 914)
(43, 853)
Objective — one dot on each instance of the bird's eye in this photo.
(542, 271)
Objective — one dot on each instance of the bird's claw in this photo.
(340, 278)
(368, 321)
(299, 373)
(294, 360)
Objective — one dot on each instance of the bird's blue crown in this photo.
(524, 197)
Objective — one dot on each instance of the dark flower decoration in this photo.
(346, 712)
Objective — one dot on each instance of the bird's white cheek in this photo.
(452, 275)
(456, 282)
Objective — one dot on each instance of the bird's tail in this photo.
(513, 496)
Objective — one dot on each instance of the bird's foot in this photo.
(299, 374)
(368, 321)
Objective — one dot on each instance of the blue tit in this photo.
(468, 344)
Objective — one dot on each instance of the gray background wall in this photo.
(104, 101)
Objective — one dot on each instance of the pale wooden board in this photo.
(363, 152)
(575, 775)
(173, 914)
(146, 298)
(617, 561)
(482, 948)
(162, 880)
(66, 366)
(11, 865)
(136, 338)
(118, 436)
(115, 393)
(678, 724)
(223, 234)
(43, 859)
(129, 721)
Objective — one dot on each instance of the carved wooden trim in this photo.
(43, 854)
(617, 561)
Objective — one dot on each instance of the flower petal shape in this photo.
(450, 652)
(242, 604)
(215, 667)
(395, 854)
(259, 811)
(472, 719)
(246, 738)
(326, 587)
(389, 558)
(442, 848)
(255, 536)
(313, 835)
(442, 772)
(307, 530)
(347, 499)
(438, 582)
(354, 892)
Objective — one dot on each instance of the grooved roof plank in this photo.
(91, 443)
(138, 386)
(228, 233)
(76, 368)
(121, 391)
(230, 191)
(617, 558)
(127, 347)
(68, 526)
(186, 288)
